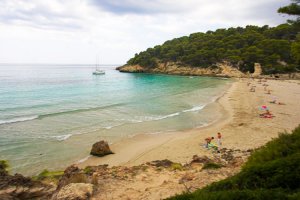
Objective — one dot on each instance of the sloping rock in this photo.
(20, 187)
(224, 69)
(257, 70)
(161, 163)
(228, 70)
(131, 69)
(76, 191)
(200, 159)
(100, 149)
(71, 175)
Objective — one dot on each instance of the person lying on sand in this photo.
(267, 114)
(275, 102)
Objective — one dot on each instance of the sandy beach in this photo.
(240, 125)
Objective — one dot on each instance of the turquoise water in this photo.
(50, 115)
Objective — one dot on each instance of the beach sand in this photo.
(240, 125)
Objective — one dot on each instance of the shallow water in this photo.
(50, 115)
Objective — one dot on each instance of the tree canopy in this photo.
(276, 48)
(292, 9)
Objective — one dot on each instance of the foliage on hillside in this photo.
(271, 172)
(292, 9)
(275, 48)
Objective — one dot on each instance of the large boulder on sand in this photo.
(76, 191)
(100, 149)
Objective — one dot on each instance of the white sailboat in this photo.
(98, 71)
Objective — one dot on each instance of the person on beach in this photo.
(219, 139)
(267, 114)
(208, 141)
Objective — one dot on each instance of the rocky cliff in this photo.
(220, 69)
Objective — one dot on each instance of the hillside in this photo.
(275, 48)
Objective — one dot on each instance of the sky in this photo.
(80, 31)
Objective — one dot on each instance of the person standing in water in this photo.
(219, 136)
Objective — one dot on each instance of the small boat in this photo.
(98, 71)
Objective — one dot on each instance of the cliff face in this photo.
(221, 69)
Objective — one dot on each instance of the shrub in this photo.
(176, 166)
(212, 165)
(3, 166)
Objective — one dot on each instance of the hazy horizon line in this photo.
(62, 64)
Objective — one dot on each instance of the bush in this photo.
(176, 166)
(212, 165)
(3, 166)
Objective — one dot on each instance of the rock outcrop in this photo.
(257, 70)
(224, 69)
(20, 187)
(76, 191)
(100, 149)
(156, 180)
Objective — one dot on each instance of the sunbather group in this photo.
(210, 145)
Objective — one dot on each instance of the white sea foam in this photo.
(109, 127)
(156, 118)
(62, 137)
(196, 108)
(83, 159)
(18, 119)
(166, 116)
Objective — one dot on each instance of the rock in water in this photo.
(100, 149)
(76, 191)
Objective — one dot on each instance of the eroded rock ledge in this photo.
(224, 69)
(153, 180)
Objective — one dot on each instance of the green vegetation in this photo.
(54, 175)
(3, 166)
(88, 170)
(277, 49)
(212, 165)
(177, 166)
(292, 9)
(272, 172)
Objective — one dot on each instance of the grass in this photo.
(212, 165)
(272, 172)
(176, 166)
(88, 170)
(49, 175)
(4, 166)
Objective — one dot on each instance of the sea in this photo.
(50, 115)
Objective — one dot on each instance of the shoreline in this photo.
(239, 124)
(145, 143)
